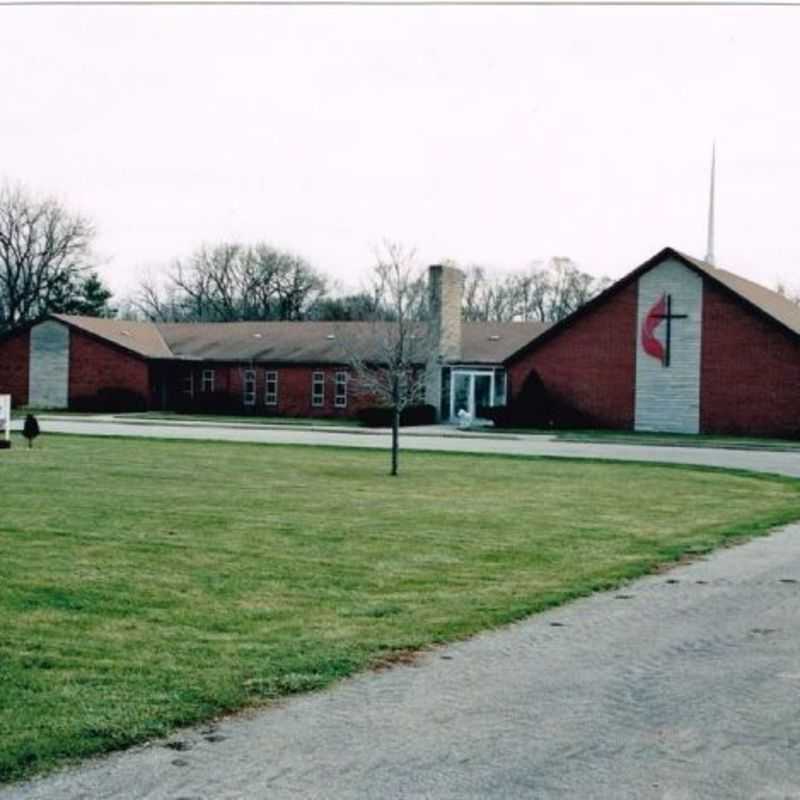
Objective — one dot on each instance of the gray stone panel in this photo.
(668, 397)
(49, 366)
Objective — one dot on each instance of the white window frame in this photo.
(249, 395)
(270, 377)
(340, 393)
(188, 384)
(208, 381)
(471, 373)
(317, 389)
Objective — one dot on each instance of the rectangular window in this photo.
(271, 388)
(249, 387)
(188, 384)
(445, 408)
(317, 389)
(208, 380)
(500, 391)
(340, 400)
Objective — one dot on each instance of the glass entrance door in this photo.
(462, 393)
(481, 392)
(471, 391)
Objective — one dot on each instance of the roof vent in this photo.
(495, 337)
(257, 335)
(331, 336)
(125, 333)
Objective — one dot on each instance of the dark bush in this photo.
(419, 415)
(111, 399)
(499, 415)
(214, 403)
(31, 429)
(537, 407)
(381, 417)
(375, 417)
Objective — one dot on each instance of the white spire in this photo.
(710, 248)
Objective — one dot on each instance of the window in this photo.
(445, 405)
(271, 388)
(249, 387)
(500, 390)
(340, 399)
(317, 389)
(208, 380)
(188, 384)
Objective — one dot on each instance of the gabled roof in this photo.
(763, 300)
(494, 342)
(142, 338)
(289, 342)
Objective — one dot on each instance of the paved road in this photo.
(683, 685)
(786, 463)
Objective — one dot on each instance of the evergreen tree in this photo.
(31, 429)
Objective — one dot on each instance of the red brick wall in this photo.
(14, 359)
(96, 366)
(750, 370)
(294, 390)
(589, 368)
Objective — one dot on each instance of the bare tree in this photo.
(546, 292)
(488, 297)
(230, 282)
(359, 307)
(570, 287)
(154, 302)
(45, 256)
(387, 355)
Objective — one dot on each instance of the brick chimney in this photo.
(445, 291)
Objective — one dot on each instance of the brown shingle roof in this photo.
(295, 342)
(326, 342)
(770, 302)
(142, 338)
(289, 342)
(494, 342)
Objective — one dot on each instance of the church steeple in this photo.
(710, 247)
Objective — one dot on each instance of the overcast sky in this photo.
(485, 135)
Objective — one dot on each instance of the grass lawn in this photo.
(147, 584)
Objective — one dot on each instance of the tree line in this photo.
(46, 261)
(47, 265)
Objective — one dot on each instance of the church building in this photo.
(677, 345)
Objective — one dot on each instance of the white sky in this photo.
(492, 135)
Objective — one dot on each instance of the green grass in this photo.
(147, 584)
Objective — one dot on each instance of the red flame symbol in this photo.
(655, 316)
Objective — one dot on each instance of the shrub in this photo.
(381, 417)
(31, 429)
(112, 399)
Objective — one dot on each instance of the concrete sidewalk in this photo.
(443, 439)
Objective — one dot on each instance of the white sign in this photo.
(5, 417)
